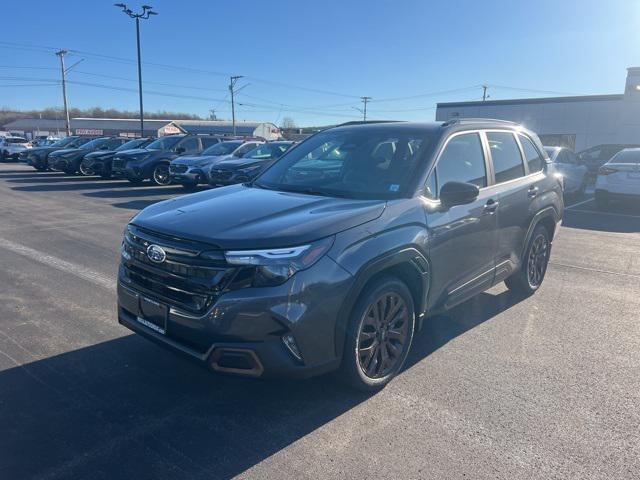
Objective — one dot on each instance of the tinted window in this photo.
(224, 148)
(462, 160)
(507, 162)
(131, 144)
(364, 162)
(267, 151)
(165, 143)
(208, 141)
(190, 145)
(244, 149)
(531, 154)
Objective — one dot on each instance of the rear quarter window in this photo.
(531, 154)
(505, 154)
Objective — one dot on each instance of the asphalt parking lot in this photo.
(500, 387)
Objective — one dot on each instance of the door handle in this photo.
(533, 191)
(491, 206)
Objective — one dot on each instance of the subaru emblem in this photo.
(156, 254)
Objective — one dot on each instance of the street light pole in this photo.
(145, 14)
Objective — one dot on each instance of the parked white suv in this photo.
(619, 178)
(11, 147)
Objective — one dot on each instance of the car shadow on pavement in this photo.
(126, 408)
(618, 217)
(144, 190)
(66, 186)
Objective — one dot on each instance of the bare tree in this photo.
(288, 123)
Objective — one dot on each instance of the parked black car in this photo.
(38, 157)
(153, 161)
(68, 160)
(244, 169)
(333, 256)
(99, 162)
(191, 170)
(595, 157)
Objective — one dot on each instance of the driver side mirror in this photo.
(458, 193)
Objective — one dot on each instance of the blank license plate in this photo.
(153, 315)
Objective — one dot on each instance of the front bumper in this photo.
(252, 321)
(129, 170)
(192, 175)
(11, 155)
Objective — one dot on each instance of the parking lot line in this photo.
(60, 264)
(578, 204)
(597, 270)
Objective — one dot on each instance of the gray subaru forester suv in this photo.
(332, 257)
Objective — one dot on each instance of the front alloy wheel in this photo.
(379, 334)
(85, 170)
(383, 334)
(161, 175)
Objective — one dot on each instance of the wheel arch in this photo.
(408, 265)
(548, 218)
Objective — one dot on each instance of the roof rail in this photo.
(463, 121)
(366, 122)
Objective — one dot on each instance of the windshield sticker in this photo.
(394, 187)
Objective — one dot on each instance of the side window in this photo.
(208, 141)
(190, 145)
(462, 161)
(570, 157)
(531, 154)
(245, 148)
(507, 162)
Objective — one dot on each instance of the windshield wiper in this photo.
(313, 191)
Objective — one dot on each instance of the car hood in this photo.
(42, 150)
(201, 160)
(100, 154)
(241, 217)
(233, 163)
(68, 151)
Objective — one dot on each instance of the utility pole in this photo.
(145, 14)
(365, 100)
(61, 54)
(232, 86)
(484, 92)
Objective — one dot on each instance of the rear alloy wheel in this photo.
(534, 267)
(380, 334)
(161, 175)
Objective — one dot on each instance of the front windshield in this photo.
(95, 144)
(267, 151)
(223, 148)
(131, 144)
(164, 143)
(64, 141)
(356, 163)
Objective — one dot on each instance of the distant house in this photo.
(31, 127)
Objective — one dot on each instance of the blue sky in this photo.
(311, 61)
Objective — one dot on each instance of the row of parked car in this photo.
(185, 159)
(191, 160)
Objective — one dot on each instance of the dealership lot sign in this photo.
(89, 131)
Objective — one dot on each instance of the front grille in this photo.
(118, 163)
(178, 168)
(220, 174)
(185, 279)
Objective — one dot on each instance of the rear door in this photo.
(517, 183)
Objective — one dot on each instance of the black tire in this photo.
(534, 265)
(160, 175)
(106, 172)
(189, 186)
(369, 341)
(136, 181)
(41, 168)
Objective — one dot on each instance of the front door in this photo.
(462, 238)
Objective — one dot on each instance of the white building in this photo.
(575, 122)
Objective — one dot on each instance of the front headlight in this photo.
(275, 266)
